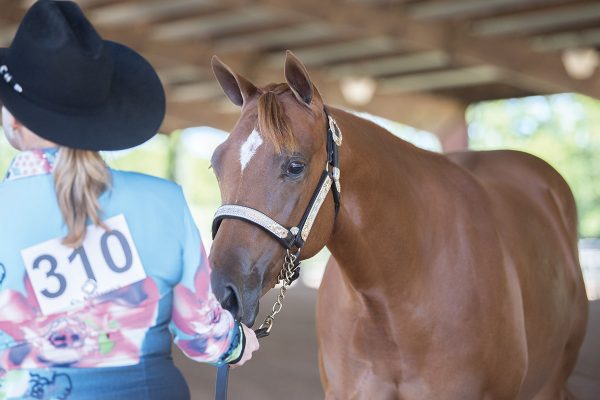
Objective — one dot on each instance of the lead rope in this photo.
(288, 274)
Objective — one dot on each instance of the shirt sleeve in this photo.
(201, 328)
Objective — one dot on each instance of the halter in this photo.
(295, 237)
(290, 238)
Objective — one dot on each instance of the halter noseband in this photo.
(296, 236)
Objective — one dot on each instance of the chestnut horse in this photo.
(453, 276)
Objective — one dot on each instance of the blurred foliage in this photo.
(6, 154)
(564, 130)
(200, 187)
(151, 158)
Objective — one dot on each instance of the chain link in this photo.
(285, 279)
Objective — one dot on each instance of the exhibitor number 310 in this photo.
(109, 261)
(80, 251)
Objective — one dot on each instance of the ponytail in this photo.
(80, 177)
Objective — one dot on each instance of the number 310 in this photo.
(80, 251)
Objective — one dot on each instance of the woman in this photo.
(96, 266)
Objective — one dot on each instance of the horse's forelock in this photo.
(273, 123)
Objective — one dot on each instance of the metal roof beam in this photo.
(462, 8)
(392, 65)
(565, 40)
(199, 91)
(538, 20)
(85, 4)
(143, 11)
(283, 37)
(215, 24)
(182, 73)
(509, 54)
(351, 49)
(427, 81)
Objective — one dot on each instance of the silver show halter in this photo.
(292, 238)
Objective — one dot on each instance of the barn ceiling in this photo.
(441, 54)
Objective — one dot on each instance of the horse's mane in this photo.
(273, 123)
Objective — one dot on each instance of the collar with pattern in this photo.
(32, 163)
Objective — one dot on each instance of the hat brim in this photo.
(131, 115)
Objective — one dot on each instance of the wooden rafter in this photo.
(427, 81)
(566, 40)
(129, 13)
(319, 55)
(466, 50)
(539, 20)
(512, 55)
(282, 36)
(439, 9)
(392, 65)
(214, 24)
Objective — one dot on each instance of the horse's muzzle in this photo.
(241, 304)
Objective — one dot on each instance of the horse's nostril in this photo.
(231, 301)
(226, 292)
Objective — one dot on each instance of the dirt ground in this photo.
(286, 366)
(585, 381)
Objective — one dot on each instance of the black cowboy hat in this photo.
(68, 85)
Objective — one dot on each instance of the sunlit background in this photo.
(562, 129)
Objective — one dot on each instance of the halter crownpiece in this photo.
(336, 133)
(336, 136)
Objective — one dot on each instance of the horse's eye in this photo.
(295, 168)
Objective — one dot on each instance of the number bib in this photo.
(63, 278)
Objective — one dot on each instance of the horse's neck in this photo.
(385, 185)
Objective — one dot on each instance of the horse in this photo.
(453, 276)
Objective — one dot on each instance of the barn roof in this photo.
(438, 53)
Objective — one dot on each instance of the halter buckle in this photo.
(336, 133)
(336, 179)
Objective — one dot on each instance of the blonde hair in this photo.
(80, 177)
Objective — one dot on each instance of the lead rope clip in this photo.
(289, 272)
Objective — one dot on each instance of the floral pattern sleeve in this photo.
(203, 330)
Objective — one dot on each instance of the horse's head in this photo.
(272, 161)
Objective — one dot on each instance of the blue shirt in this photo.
(95, 322)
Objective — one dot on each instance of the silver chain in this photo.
(285, 279)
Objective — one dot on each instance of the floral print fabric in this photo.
(109, 331)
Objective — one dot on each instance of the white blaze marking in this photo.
(249, 148)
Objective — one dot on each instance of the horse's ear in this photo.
(297, 78)
(237, 88)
